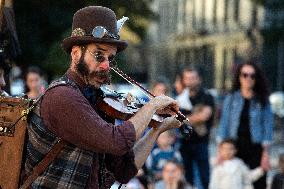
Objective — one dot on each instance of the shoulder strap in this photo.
(40, 168)
(55, 150)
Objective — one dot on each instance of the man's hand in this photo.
(163, 105)
(168, 123)
(265, 164)
(142, 118)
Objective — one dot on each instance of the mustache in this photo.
(102, 75)
(84, 71)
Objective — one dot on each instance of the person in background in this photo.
(231, 172)
(4, 70)
(33, 83)
(247, 118)
(278, 179)
(172, 177)
(160, 87)
(164, 152)
(198, 105)
(178, 86)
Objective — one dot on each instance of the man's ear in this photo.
(76, 54)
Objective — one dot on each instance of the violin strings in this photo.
(145, 91)
(131, 81)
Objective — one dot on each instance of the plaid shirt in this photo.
(71, 168)
(74, 167)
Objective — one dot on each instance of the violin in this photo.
(123, 108)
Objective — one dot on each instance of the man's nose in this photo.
(105, 65)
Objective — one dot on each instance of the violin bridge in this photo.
(130, 98)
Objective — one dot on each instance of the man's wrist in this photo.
(156, 131)
(152, 106)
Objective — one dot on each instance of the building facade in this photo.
(215, 35)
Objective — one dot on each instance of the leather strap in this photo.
(44, 163)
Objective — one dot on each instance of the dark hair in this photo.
(191, 68)
(176, 162)
(260, 88)
(181, 183)
(228, 141)
(5, 66)
(32, 69)
(81, 66)
(161, 80)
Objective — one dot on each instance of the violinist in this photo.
(95, 152)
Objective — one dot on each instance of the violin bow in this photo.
(185, 129)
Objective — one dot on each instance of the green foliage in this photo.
(42, 25)
(57, 61)
(259, 2)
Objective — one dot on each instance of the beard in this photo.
(85, 72)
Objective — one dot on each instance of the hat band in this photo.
(98, 32)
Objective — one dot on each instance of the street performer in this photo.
(96, 152)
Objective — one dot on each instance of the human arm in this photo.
(268, 132)
(255, 174)
(202, 111)
(268, 125)
(143, 147)
(125, 167)
(122, 167)
(143, 117)
(201, 116)
(68, 114)
(223, 129)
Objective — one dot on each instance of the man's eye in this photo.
(100, 58)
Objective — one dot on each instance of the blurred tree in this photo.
(259, 2)
(42, 25)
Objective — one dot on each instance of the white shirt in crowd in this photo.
(234, 174)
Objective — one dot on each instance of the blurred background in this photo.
(163, 35)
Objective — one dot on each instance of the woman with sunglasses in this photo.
(247, 118)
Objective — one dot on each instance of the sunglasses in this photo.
(248, 75)
(99, 57)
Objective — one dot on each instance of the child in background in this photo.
(231, 172)
(278, 179)
(172, 177)
(162, 154)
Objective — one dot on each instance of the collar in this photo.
(89, 92)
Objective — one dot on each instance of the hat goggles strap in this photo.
(101, 32)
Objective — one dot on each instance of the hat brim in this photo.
(69, 42)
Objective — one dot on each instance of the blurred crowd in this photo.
(243, 121)
(30, 83)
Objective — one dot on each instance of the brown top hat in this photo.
(84, 22)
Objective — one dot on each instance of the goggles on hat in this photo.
(101, 32)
